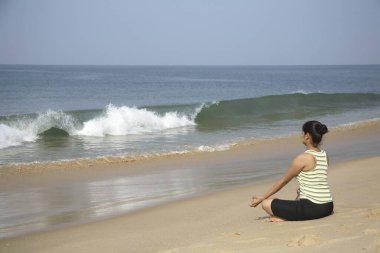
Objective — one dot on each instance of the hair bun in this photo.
(316, 130)
(321, 129)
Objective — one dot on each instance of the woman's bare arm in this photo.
(294, 169)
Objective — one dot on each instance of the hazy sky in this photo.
(191, 32)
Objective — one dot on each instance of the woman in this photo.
(314, 199)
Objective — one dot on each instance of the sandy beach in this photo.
(223, 221)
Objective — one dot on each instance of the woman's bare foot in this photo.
(275, 219)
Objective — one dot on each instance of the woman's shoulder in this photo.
(304, 159)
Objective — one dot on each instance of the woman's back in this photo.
(313, 183)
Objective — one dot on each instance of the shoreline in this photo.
(120, 160)
(223, 222)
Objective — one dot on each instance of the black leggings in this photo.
(303, 209)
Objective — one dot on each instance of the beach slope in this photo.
(224, 222)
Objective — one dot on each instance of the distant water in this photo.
(54, 113)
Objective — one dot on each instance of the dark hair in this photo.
(316, 130)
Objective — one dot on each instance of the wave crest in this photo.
(113, 121)
(131, 120)
(10, 136)
(267, 110)
(27, 128)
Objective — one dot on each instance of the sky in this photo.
(190, 32)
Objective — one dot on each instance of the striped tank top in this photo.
(313, 183)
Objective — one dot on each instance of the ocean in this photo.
(75, 115)
(61, 113)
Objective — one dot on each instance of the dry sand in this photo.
(223, 222)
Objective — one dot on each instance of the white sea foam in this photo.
(131, 120)
(11, 136)
(114, 121)
(301, 92)
(26, 129)
(223, 147)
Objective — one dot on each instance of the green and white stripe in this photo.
(313, 183)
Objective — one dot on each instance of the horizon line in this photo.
(188, 65)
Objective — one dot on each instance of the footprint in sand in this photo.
(305, 240)
(373, 213)
(343, 227)
(370, 231)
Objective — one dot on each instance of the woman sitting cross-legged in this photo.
(314, 199)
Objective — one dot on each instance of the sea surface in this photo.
(60, 113)
(53, 115)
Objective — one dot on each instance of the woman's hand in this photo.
(256, 200)
(298, 193)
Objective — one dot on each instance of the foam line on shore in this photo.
(42, 167)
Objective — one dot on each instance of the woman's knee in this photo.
(266, 205)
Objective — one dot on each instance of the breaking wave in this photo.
(15, 130)
(213, 116)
